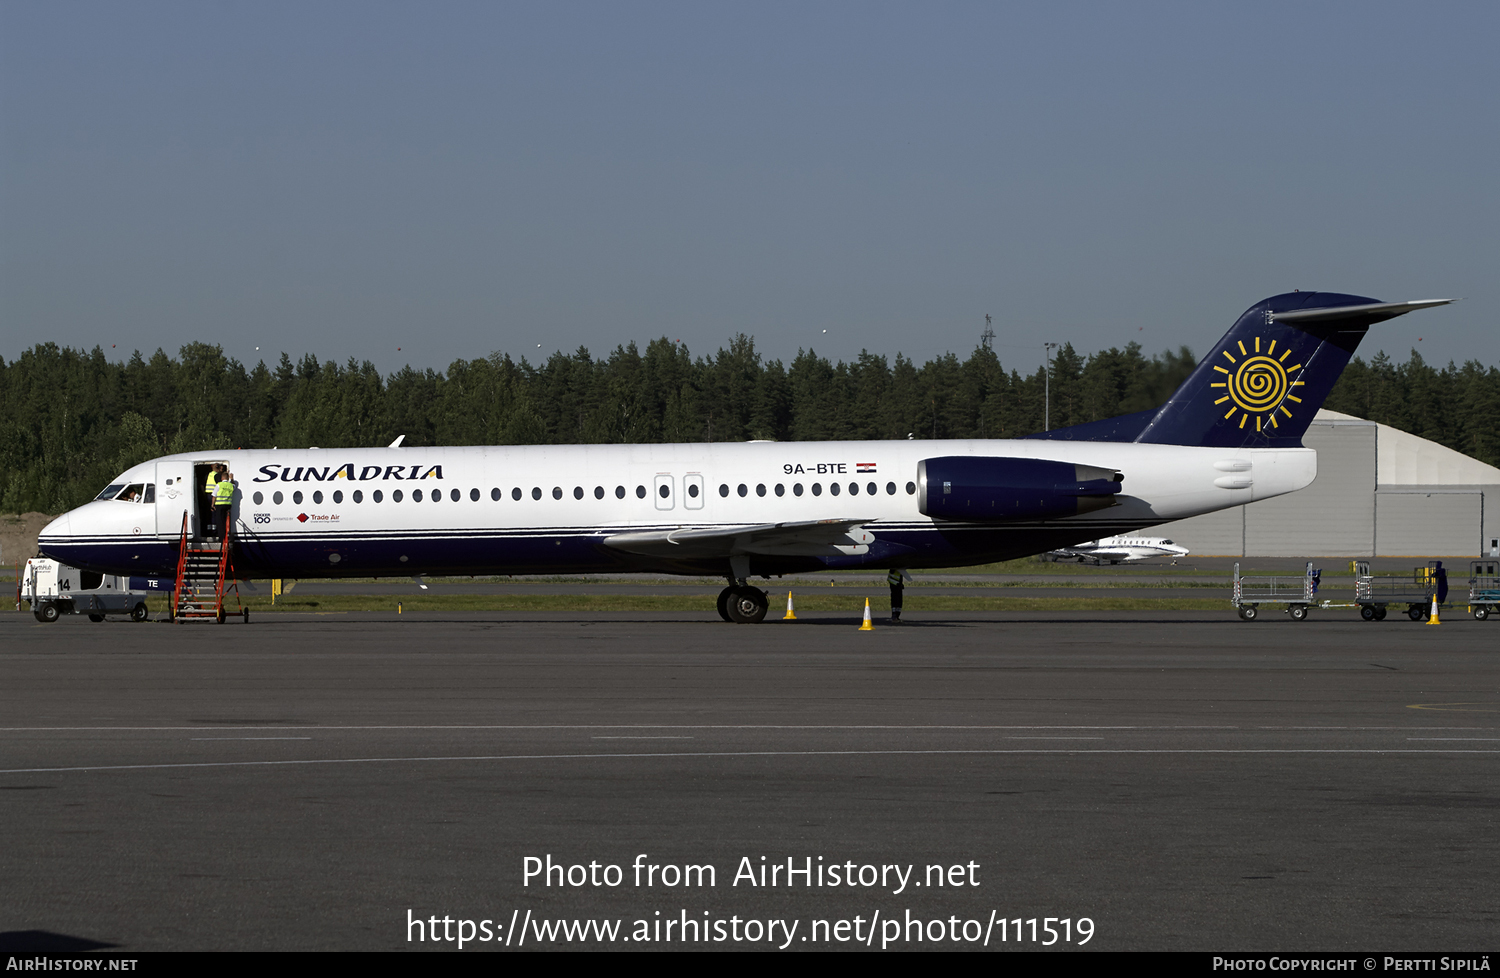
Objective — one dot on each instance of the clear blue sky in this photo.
(455, 178)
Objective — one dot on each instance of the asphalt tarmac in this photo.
(1179, 780)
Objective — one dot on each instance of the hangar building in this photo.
(1380, 492)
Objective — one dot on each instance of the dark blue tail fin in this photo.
(1263, 382)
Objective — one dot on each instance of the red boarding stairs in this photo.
(201, 576)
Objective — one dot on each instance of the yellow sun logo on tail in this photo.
(1259, 384)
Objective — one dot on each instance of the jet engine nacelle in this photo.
(1000, 490)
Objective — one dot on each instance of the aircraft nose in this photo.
(61, 527)
(59, 531)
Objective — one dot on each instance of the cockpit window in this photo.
(132, 493)
(111, 492)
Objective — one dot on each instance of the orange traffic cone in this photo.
(790, 614)
(867, 627)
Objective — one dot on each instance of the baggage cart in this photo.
(1375, 593)
(1297, 593)
(1484, 587)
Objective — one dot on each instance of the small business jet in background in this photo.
(1230, 435)
(1119, 550)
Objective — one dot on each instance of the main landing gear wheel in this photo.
(747, 605)
(139, 612)
(1248, 612)
(1298, 612)
(1367, 612)
(1481, 612)
(1415, 612)
(724, 596)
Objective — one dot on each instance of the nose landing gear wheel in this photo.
(724, 596)
(747, 605)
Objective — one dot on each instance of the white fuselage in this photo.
(514, 509)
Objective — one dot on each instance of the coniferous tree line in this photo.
(71, 420)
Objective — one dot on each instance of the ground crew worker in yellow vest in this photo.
(210, 487)
(894, 579)
(223, 497)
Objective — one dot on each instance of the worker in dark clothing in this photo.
(1440, 578)
(895, 580)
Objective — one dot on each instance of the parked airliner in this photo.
(1119, 550)
(1230, 435)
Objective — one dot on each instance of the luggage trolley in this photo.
(1484, 587)
(1297, 593)
(1375, 593)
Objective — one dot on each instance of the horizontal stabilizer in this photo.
(812, 538)
(1372, 312)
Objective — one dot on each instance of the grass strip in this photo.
(705, 602)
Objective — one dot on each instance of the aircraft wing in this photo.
(809, 538)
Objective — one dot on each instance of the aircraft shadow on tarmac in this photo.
(45, 941)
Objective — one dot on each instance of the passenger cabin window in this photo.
(473, 495)
(516, 493)
(619, 492)
(416, 495)
(318, 496)
(598, 492)
(454, 495)
(495, 495)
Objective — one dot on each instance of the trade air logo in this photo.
(1258, 384)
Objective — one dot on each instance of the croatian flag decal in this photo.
(864, 466)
